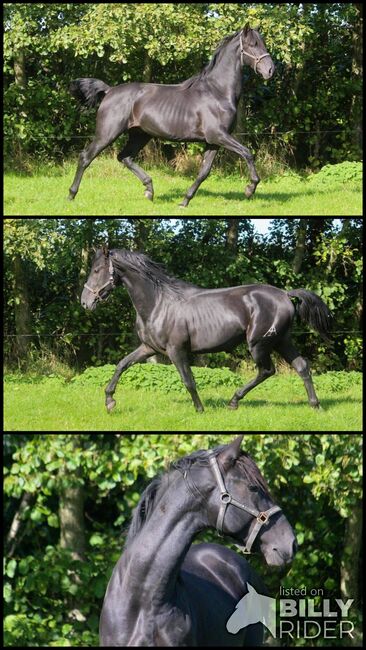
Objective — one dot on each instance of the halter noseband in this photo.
(227, 499)
(257, 59)
(110, 281)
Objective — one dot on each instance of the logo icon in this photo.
(253, 608)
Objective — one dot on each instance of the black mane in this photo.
(210, 65)
(150, 270)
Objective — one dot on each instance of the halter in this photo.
(256, 58)
(110, 280)
(227, 499)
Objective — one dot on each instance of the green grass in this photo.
(280, 404)
(107, 188)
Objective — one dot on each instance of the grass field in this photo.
(107, 188)
(50, 404)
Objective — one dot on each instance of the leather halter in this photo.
(257, 59)
(110, 281)
(227, 499)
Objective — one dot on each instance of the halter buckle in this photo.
(262, 518)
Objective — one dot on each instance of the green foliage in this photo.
(353, 351)
(158, 377)
(339, 381)
(345, 172)
(47, 580)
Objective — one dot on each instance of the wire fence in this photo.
(338, 332)
(269, 133)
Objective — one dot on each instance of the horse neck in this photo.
(226, 75)
(154, 557)
(142, 292)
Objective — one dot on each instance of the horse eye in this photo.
(253, 488)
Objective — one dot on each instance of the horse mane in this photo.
(150, 270)
(210, 65)
(146, 505)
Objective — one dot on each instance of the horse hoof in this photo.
(149, 195)
(71, 197)
(248, 192)
(233, 406)
(110, 405)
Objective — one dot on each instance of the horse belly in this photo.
(214, 326)
(201, 344)
(169, 117)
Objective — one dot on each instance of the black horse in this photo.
(202, 108)
(175, 318)
(165, 592)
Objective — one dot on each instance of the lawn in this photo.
(107, 188)
(280, 404)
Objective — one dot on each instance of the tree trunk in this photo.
(19, 68)
(72, 533)
(232, 234)
(357, 72)
(22, 312)
(300, 246)
(350, 564)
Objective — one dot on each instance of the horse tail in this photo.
(312, 311)
(88, 91)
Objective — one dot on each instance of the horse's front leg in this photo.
(226, 140)
(142, 353)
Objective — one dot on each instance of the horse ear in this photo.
(231, 453)
(246, 29)
(105, 250)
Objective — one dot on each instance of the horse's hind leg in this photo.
(288, 351)
(85, 158)
(105, 134)
(136, 141)
(265, 367)
(180, 360)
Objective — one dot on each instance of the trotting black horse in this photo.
(176, 318)
(202, 108)
(165, 592)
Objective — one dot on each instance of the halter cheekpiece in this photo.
(110, 281)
